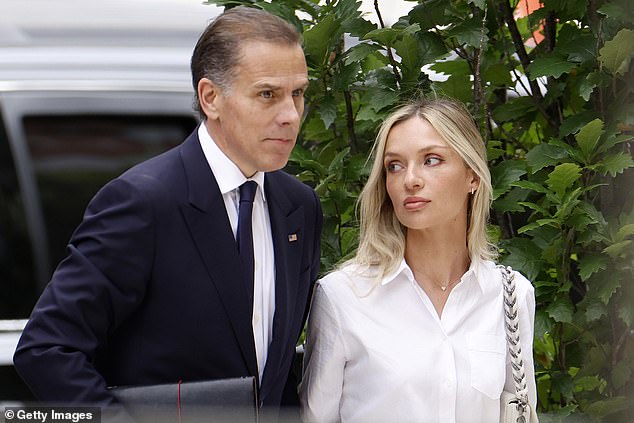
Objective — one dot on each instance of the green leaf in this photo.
(456, 86)
(608, 286)
(587, 86)
(523, 257)
(616, 163)
(510, 202)
(384, 36)
(590, 264)
(345, 76)
(588, 383)
(616, 249)
(625, 231)
(588, 137)
(544, 155)
(608, 406)
(533, 186)
(621, 374)
(357, 27)
(318, 39)
(493, 150)
(561, 310)
(379, 98)
(594, 362)
(408, 50)
(480, 4)
(387, 36)
(575, 44)
(563, 177)
(595, 311)
(514, 109)
(554, 66)
(470, 32)
(328, 110)
(565, 9)
(497, 75)
(337, 163)
(359, 52)
(431, 46)
(452, 67)
(504, 174)
(575, 122)
(538, 224)
(431, 14)
(611, 141)
(539, 209)
(626, 313)
(620, 12)
(616, 53)
(568, 203)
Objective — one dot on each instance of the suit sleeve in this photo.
(96, 287)
(316, 259)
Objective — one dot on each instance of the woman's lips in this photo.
(415, 203)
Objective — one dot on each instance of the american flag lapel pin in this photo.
(292, 238)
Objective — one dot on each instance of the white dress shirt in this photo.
(384, 355)
(229, 178)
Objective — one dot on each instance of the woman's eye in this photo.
(393, 167)
(298, 93)
(432, 161)
(266, 94)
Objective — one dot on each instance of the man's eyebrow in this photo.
(273, 87)
(266, 86)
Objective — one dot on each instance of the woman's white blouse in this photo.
(384, 355)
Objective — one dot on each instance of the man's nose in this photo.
(291, 110)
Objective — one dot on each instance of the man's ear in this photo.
(208, 94)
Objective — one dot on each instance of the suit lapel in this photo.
(209, 226)
(287, 230)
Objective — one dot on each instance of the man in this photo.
(155, 289)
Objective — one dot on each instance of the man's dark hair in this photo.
(218, 50)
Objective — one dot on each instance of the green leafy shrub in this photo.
(558, 122)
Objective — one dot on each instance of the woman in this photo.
(412, 328)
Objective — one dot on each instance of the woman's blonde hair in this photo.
(382, 237)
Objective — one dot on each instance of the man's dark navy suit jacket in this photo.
(153, 290)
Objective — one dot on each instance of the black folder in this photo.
(232, 400)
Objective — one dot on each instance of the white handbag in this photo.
(514, 406)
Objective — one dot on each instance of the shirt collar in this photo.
(403, 268)
(228, 175)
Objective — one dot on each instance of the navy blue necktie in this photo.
(245, 231)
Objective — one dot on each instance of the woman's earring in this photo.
(472, 190)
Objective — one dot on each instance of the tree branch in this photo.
(350, 121)
(390, 56)
(535, 92)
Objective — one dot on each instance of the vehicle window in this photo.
(75, 155)
(18, 290)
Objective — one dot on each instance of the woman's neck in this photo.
(438, 259)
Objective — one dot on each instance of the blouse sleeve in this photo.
(526, 301)
(324, 362)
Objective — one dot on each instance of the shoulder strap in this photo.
(513, 336)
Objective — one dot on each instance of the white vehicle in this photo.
(87, 89)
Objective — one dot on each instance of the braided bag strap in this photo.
(511, 317)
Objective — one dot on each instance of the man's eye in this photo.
(298, 93)
(266, 94)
